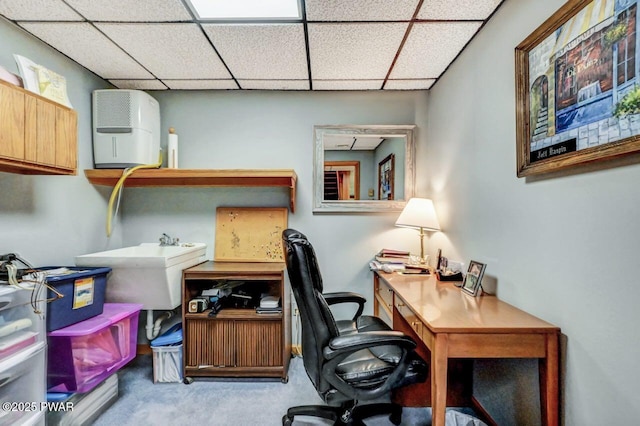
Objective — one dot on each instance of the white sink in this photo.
(149, 274)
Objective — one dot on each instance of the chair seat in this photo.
(364, 370)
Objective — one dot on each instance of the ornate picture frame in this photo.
(578, 87)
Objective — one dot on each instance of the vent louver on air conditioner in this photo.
(113, 109)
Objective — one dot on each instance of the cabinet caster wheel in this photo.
(187, 380)
(285, 380)
(286, 420)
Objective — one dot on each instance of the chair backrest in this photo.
(318, 324)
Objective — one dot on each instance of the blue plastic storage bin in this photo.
(83, 293)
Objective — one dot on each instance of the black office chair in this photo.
(357, 360)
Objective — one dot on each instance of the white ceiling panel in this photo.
(274, 84)
(261, 51)
(227, 84)
(353, 51)
(139, 84)
(334, 45)
(360, 10)
(347, 84)
(414, 84)
(431, 47)
(38, 10)
(169, 51)
(88, 47)
(131, 10)
(457, 9)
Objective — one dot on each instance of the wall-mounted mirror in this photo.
(363, 168)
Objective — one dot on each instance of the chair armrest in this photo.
(346, 297)
(345, 345)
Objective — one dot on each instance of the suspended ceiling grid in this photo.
(337, 45)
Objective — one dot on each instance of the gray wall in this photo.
(256, 129)
(558, 248)
(50, 219)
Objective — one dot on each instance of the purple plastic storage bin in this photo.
(83, 355)
(83, 293)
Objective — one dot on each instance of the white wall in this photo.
(559, 248)
(48, 220)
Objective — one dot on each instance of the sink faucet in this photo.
(166, 240)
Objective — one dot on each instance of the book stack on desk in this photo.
(392, 256)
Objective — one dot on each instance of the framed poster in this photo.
(578, 87)
(386, 171)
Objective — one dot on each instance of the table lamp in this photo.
(419, 213)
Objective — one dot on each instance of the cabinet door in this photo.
(66, 138)
(11, 123)
(209, 343)
(259, 343)
(45, 133)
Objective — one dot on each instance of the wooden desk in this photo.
(455, 325)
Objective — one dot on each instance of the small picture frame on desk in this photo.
(473, 279)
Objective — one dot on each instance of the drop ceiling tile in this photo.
(347, 84)
(261, 51)
(131, 10)
(353, 51)
(457, 9)
(360, 10)
(95, 51)
(431, 47)
(274, 84)
(413, 84)
(38, 10)
(169, 51)
(139, 84)
(201, 84)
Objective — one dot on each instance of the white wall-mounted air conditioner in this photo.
(126, 128)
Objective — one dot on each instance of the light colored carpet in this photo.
(228, 402)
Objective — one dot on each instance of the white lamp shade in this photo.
(419, 213)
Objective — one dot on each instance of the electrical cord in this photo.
(35, 282)
(117, 189)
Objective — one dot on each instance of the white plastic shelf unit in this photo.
(22, 358)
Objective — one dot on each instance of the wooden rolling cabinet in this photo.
(237, 342)
(37, 136)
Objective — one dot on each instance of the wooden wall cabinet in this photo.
(37, 135)
(237, 342)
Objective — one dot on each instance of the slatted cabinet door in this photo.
(211, 344)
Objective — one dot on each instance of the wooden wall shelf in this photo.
(200, 177)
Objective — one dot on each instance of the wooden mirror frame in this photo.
(357, 206)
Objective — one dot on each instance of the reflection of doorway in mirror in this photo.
(385, 178)
(341, 180)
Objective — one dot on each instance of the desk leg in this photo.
(549, 383)
(439, 359)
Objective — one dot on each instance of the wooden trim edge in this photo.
(482, 413)
(143, 349)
